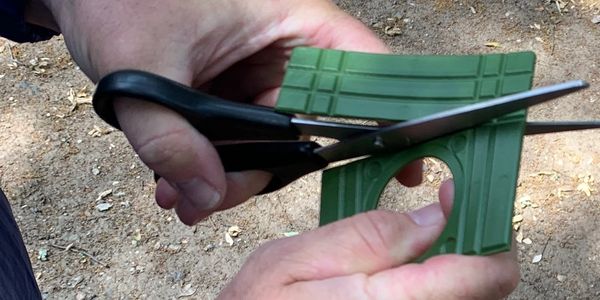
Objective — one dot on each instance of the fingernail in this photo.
(428, 215)
(201, 194)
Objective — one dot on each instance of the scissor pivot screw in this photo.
(378, 142)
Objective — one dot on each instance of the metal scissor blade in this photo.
(334, 130)
(402, 135)
(532, 128)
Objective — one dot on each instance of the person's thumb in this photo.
(366, 243)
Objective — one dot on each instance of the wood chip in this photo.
(543, 173)
(187, 291)
(585, 188)
(392, 30)
(290, 233)
(492, 44)
(173, 248)
(78, 98)
(103, 194)
(430, 178)
(228, 239)
(517, 219)
(525, 201)
(234, 231)
(519, 237)
(98, 132)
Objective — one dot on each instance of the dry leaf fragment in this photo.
(527, 241)
(537, 258)
(561, 278)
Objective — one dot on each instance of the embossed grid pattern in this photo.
(375, 86)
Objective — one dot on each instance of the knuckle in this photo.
(170, 147)
(374, 229)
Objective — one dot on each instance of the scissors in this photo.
(268, 140)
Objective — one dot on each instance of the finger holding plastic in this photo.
(369, 256)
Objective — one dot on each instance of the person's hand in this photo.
(236, 49)
(369, 256)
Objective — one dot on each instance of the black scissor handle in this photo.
(287, 161)
(220, 119)
(215, 118)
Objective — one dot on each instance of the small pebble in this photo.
(103, 206)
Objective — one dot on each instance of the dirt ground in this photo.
(59, 162)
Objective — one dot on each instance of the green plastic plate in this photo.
(484, 161)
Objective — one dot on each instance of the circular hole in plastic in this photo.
(397, 197)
